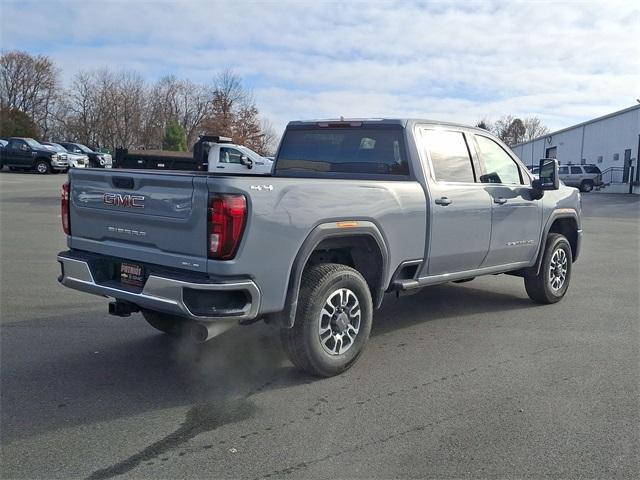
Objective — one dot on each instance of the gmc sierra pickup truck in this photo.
(352, 209)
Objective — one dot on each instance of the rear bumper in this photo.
(188, 299)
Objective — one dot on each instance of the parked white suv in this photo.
(584, 177)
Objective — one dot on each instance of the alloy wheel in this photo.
(339, 322)
(558, 269)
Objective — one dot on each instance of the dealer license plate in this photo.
(132, 274)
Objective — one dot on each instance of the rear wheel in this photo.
(586, 186)
(552, 282)
(333, 320)
(169, 324)
(42, 167)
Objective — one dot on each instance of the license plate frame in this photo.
(132, 274)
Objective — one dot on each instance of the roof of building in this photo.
(578, 125)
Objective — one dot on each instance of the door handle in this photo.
(219, 166)
(444, 201)
(500, 200)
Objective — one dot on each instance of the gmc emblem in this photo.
(127, 200)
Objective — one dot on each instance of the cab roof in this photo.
(356, 122)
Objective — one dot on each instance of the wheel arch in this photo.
(565, 222)
(349, 243)
(43, 158)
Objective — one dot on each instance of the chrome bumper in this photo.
(159, 293)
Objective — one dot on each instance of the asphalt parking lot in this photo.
(459, 381)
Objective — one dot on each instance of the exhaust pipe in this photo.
(202, 332)
(122, 309)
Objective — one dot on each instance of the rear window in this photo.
(591, 169)
(343, 150)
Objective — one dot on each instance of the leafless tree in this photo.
(229, 99)
(119, 109)
(534, 128)
(234, 113)
(29, 84)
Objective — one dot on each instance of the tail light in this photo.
(64, 208)
(227, 216)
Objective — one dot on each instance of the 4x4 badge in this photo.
(262, 187)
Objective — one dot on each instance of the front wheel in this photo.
(586, 186)
(333, 320)
(42, 167)
(552, 282)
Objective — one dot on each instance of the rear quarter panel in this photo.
(283, 212)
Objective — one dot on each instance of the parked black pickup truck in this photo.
(28, 154)
(96, 159)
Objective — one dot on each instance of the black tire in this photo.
(586, 186)
(169, 324)
(302, 343)
(42, 167)
(539, 287)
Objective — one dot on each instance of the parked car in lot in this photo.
(351, 210)
(96, 159)
(75, 160)
(211, 153)
(29, 154)
(584, 177)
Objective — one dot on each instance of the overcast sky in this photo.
(461, 61)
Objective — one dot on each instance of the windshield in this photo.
(84, 148)
(248, 152)
(55, 146)
(32, 143)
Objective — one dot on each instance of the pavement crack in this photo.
(306, 464)
(199, 419)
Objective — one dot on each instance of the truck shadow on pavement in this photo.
(124, 369)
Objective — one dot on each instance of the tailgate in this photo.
(150, 217)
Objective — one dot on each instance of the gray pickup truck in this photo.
(353, 209)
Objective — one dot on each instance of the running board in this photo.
(411, 284)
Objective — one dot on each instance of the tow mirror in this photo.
(246, 161)
(548, 176)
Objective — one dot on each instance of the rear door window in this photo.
(563, 170)
(576, 171)
(449, 154)
(357, 150)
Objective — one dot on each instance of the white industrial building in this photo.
(611, 142)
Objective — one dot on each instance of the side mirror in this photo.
(246, 161)
(548, 176)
